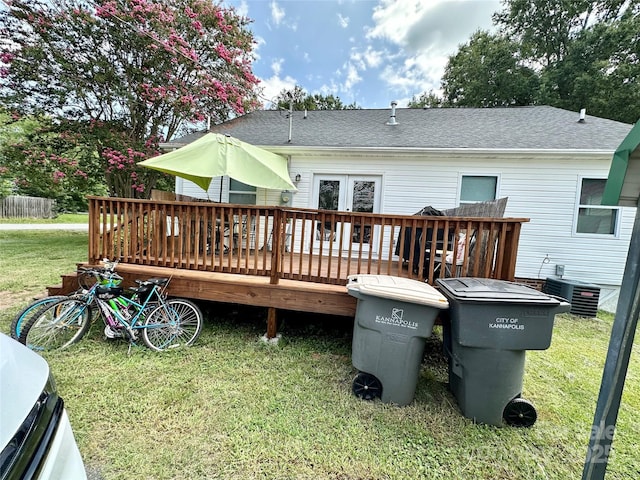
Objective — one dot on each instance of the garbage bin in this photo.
(491, 325)
(394, 317)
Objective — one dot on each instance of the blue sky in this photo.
(365, 51)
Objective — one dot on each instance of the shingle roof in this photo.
(540, 127)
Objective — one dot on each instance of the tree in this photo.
(600, 72)
(569, 54)
(486, 72)
(44, 159)
(301, 100)
(147, 69)
(545, 29)
(586, 51)
(426, 100)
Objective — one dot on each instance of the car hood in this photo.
(23, 376)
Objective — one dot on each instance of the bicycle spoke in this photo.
(175, 323)
(57, 325)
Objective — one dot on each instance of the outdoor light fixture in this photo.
(298, 178)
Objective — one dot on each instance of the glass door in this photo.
(346, 193)
(330, 194)
(363, 196)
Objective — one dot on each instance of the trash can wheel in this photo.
(519, 413)
(366, 386)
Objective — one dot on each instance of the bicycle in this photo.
(163, 323)
(27, 312)
(24, 315)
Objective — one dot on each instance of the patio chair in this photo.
(326, 231)
(456, 258)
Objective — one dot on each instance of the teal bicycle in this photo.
(146, 314)
(86, 278)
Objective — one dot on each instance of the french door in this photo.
(347, 193)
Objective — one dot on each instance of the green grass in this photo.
(232, 407)
(31, 261)
(62, 218)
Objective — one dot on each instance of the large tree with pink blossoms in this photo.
(139, 70)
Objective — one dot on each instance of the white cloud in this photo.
(243, 9)
(374, 58)
(425, 33)
(276, 66)
(352, 77)
(273, 85)
(369, 58)
(437, 25)
(415, 74)
(259, 42)
(343, 21)
(277, 13)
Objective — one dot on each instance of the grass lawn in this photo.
(62, 218)
(231, 407)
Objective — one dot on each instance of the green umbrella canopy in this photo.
(214, 155)
(623, 183)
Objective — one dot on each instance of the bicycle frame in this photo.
(116, 311)
(124, 313)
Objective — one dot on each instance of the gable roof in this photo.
(539, 128)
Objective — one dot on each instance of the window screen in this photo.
(593, 217)
(241, 193)
(476, 188)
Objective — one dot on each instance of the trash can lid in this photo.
(396, 288)
(488, 289)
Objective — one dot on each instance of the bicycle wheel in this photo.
(57, 325)
(27, 312)
(176, 323)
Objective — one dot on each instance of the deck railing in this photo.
(299, 244)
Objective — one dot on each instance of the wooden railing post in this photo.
(276, 242)
(512, 239)
(94, 220)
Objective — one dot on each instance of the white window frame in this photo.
(578, 206)
(477, 174)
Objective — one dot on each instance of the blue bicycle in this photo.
(147, 313)
(85, 277)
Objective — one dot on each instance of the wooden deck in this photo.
(284, 258)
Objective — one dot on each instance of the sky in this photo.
(370, 52)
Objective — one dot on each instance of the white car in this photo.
(35, 433)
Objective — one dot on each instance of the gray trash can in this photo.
(394, 317)
(492, 324)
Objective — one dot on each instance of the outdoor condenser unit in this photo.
(582, 296)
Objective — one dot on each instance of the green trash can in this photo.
(394, 317)
(492, 323)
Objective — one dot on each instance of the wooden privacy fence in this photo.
(16, 206)
(299, 244)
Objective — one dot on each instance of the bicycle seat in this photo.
(153, 281)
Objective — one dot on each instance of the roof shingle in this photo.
(540, 127)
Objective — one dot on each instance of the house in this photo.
(552, 164)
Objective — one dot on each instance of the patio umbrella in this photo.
(215, 155)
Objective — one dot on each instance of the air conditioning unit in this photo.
(582, 296)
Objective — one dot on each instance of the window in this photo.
(593, 217)
(477, 188)
(241, 193)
